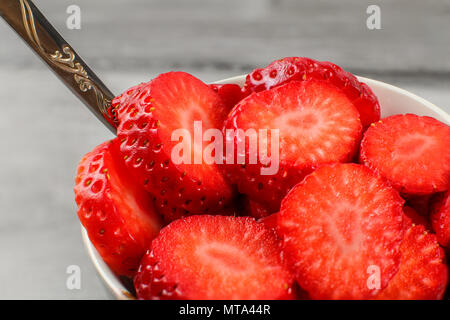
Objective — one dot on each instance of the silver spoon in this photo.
(30, 24)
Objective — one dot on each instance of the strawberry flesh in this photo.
(317, 124)
(412, 152)
(337, 225)
(423, 273)
(214, 257)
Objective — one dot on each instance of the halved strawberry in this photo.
(341, 225)
(412, 217)
(412, 152)
(118, 214)
(156, 130)
(297, 68)
(440, 218)
(214, 257)
(316, 124)
(230, 94)
(423, 273)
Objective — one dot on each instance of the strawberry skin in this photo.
(230, 94)
(122, 99)
(118, 214)
(317, 124)
(440, 218)
(148, 118)
(412, 152)
(423, 273)
(341, 220)
(214, 257)
(298, 68)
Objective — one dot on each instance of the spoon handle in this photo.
(47, 43)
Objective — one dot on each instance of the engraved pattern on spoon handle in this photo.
(33, 27)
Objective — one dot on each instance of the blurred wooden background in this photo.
(44, 130)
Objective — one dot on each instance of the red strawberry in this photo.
(296, 68)
(339, 225)
(440, 218)
(270, 221)
(412, 217)
(214, 257)
(423, 273)
(230, 94)
(317, 124)
(148, 120)
(121, 99)
(412, 152)
(118, 214)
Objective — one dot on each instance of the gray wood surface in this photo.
(44, 130)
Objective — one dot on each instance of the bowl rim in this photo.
(113, 283)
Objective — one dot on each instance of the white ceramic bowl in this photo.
(392, 100)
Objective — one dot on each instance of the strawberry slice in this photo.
(148, 120)
(297, 68)
(440, 218)
(412, 152)
(316, 123)
(412, 217)
(339, 225)
(423, 273)
(230, 94)
(118, 214)
(214, 257)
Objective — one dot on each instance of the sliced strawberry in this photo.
(340, 224)
(412, 152)
(121, 99)
(317, 124)
(270, 221)
(297, 68)
(214, 257)
(230, 94)
(423, 273)
(118, 214)
(440, 218)
(148, 120)
(412, 217)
